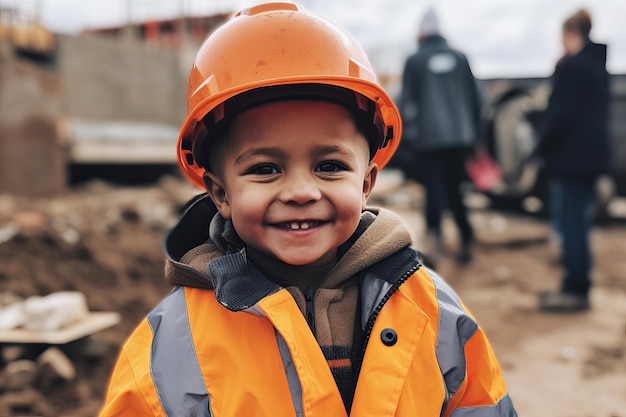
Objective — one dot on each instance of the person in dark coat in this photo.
(574, 146)
(441, 108)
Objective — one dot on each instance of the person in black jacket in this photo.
(440, 109)
(574, 146)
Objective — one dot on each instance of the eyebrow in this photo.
(274, 152)
(333, 149)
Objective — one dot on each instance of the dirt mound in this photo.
(99, 239)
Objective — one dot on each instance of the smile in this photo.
(299, 225)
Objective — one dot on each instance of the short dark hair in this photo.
(579, 22)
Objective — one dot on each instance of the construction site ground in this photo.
(105, 240)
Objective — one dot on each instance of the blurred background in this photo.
(91, 97)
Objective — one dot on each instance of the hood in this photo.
(433, 41)
(595, 52)
(201, 236)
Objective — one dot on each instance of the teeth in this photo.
(301, 226)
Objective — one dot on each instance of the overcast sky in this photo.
(500, 37)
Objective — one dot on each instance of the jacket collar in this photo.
(203, 251)
(595, 52)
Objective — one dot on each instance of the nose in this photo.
(300, 188)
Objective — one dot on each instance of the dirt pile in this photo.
(103, 241)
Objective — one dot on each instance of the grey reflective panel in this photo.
(255, 310)
(456, 327)
(373, 290)
(173, 361)
(292, 376)
(503, 408)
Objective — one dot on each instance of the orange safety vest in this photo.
(425, 356)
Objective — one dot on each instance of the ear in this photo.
(369, 181)
(217, 191)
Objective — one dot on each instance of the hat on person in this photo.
(429, 24)
(280, 51)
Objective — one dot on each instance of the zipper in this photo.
(374, 315)
(309, 313)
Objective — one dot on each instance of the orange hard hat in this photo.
(279, 51)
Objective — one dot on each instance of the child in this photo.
(292, 297)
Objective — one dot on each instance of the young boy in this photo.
(292, 297)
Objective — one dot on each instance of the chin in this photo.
(300, 260)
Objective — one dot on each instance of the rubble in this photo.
(30, 331)
(23, 380)
(18, 375)
(12, 316)
(27, 402)
(90, 266)
(8, 232)
(51, 312)
(54, 366)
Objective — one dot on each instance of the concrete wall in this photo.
(32, 156)
(122, 79)
(92, 77)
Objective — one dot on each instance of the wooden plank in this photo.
(93, 323)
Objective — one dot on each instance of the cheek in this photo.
(247, 206)
(349, 202)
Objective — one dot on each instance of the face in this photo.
(572, 42)
(293, 177)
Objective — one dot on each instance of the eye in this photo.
(263, 170)
(330, 166)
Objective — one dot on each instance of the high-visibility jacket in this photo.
(424, 356)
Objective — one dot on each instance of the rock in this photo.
(568, 353)
(27, 402)
(12, 353)
(29, 221)
(54, 366)
(498, 224)
(55, 310)
(156, 215)
(502, 274)
(8, 232)
(70, 236)
(18, 375)
(12, 316)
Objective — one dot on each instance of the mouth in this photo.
(299, 225)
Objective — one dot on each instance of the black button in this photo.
(389, 337)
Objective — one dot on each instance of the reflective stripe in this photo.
(174, 366)
(292, 376)
(255, 310)
(373, 290)
(456, 327)
(503, 408)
